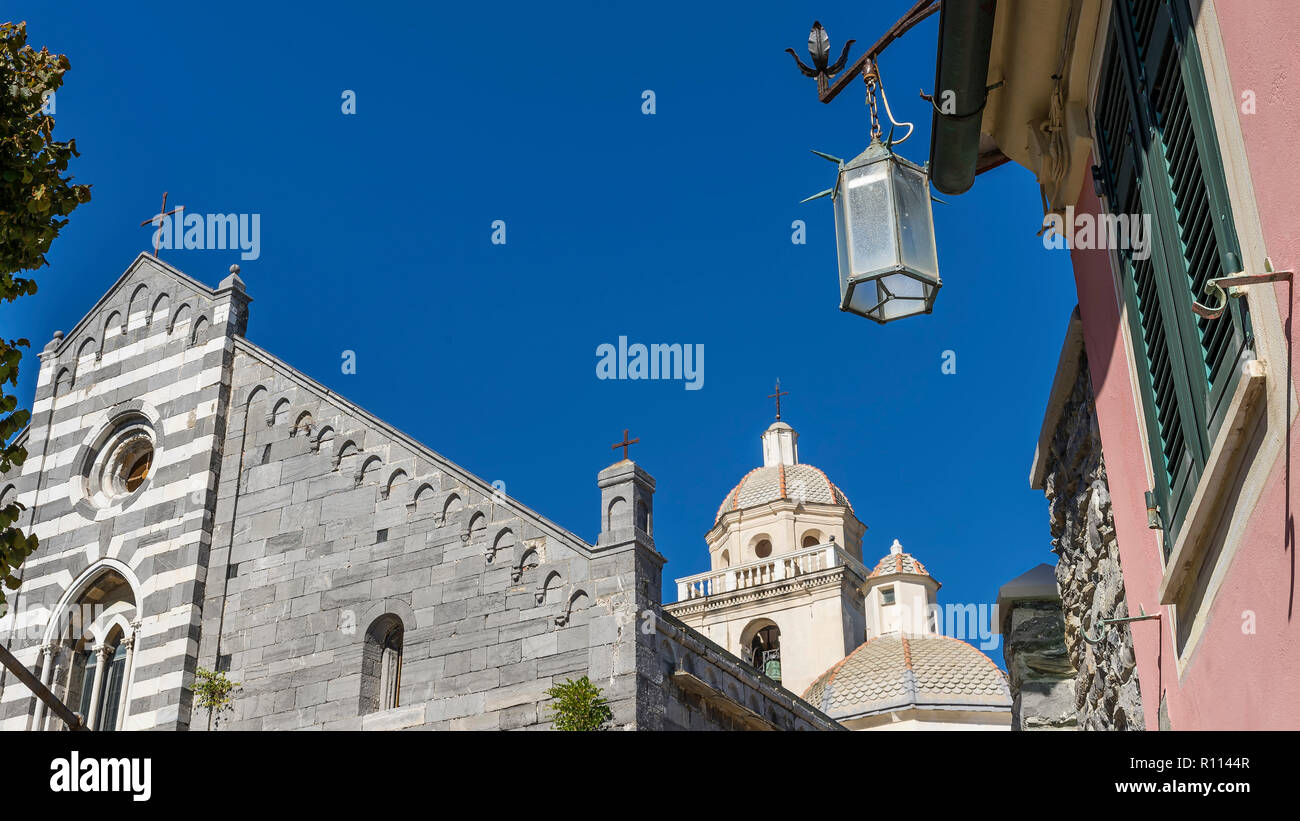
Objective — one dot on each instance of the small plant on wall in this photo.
(212, 690)
(577, 705)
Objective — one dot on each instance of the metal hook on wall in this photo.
(1103, 623)
(1220, 288)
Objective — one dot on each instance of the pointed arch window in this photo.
(99, 640)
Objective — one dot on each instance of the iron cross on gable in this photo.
(625, 444)
(777, 396)
(157, 219)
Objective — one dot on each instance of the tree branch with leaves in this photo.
(577, 705)
(36, 197)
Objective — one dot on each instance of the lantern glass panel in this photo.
(869, 219)
(915, 220)
(865, 297)
(909, 296)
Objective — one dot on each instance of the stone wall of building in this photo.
(1088, 571)
(327, 521)
(695, 684)
(1041, 676)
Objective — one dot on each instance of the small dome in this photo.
(900, 671)
(898, 562)
(781, 481)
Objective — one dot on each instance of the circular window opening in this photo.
(133, 466)
(763, 549)
(121, 461)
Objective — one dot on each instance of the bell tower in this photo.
(784, 588)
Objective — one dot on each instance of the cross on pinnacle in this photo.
(157, 219)
(777, 396)
(625, 443)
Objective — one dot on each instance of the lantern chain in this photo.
(871, 77)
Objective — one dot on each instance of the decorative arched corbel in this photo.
(440, 519)
(564, 617)
(540, 595)
(528, 561)
(468, 535)
(366, 464)
(496, 544)
(320, 437)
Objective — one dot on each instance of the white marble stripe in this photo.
(165, 457)
(40, 558)
(77, 427)
(87, 366)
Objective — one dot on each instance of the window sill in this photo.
(394, 718)
(1225, 458)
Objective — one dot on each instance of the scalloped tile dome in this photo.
(898, 671)
(899, 563)
(782, 481)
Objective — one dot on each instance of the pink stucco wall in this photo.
(1232, 679)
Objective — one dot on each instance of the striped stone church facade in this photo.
(149, 362)
(201, 504)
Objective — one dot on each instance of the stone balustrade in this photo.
(764, 571)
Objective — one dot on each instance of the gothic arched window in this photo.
(381, 665)
(96, 679)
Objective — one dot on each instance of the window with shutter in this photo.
(1159, 156)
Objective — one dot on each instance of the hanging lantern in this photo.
(884, 230)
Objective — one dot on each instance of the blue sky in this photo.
(673, 227)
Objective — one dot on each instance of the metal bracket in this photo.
(1101, 633)
(1220, 288)
(929, 98)
(1154, 519)
(819, 48)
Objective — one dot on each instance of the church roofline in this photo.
(575, 541)
(144, 256)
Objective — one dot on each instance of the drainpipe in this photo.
(961, 72)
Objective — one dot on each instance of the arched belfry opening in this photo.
(761, 647)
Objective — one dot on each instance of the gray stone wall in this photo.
(328, 520)
(1038, 665)
(694, 684)
(1088, 569)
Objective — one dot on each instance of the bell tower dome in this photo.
(785, 555)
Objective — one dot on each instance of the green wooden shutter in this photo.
(1121, 160)
(1158, 153)
(1194, 167)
